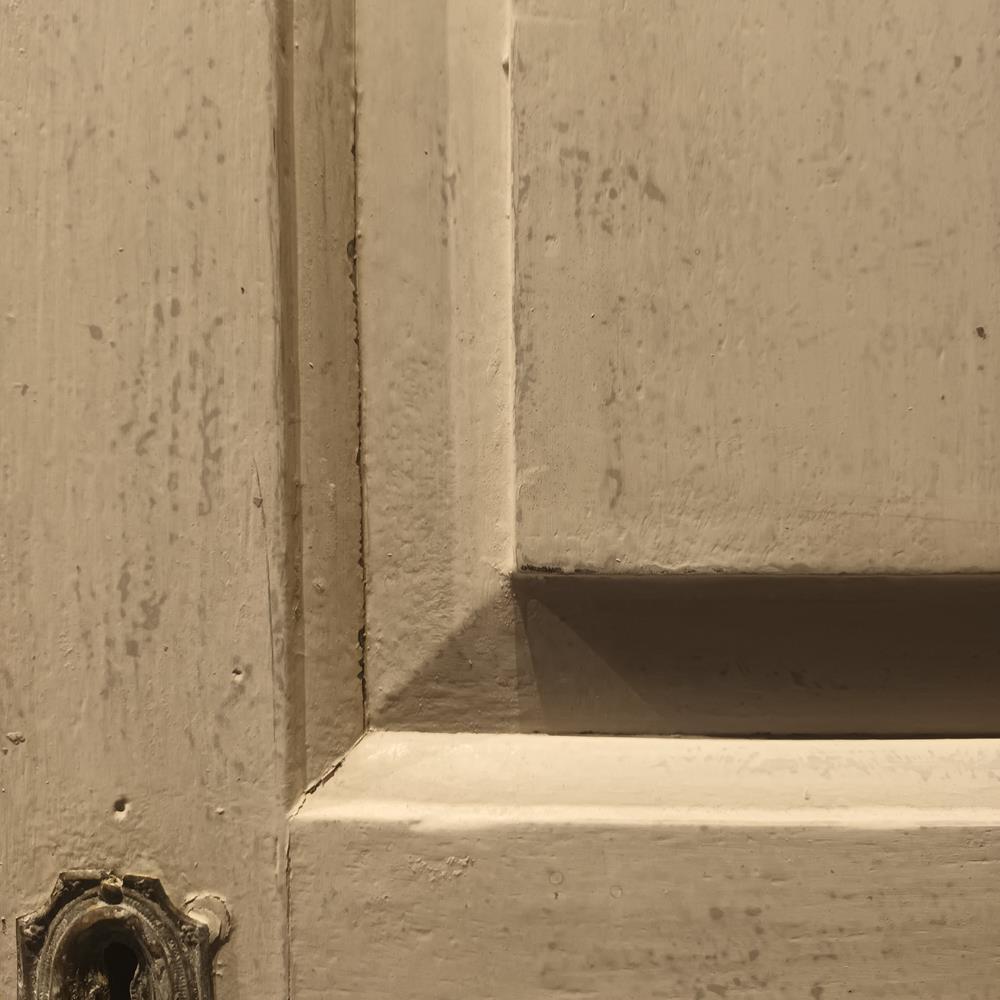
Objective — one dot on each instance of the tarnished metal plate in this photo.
(102, 937)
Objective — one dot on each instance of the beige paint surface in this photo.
(537, 867)
(179, 583)
(436, 358)
(809, 436)
(756, 285)
(150, 645)
(325, 424)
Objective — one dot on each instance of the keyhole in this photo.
(120, 963)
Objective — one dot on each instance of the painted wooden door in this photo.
(164, 486)
(660, 338)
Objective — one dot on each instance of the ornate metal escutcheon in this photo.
(101, 937)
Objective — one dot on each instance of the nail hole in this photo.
(121, 804)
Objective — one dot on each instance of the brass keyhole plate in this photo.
(102, 937)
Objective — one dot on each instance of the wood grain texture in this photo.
(756, 286)
(146, 601)
(515, 867)
(326, 371)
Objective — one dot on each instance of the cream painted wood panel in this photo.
(434, 283)
(152, 668)
(756, 299)
(457, 638)
(530, 867)
(325, 423)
